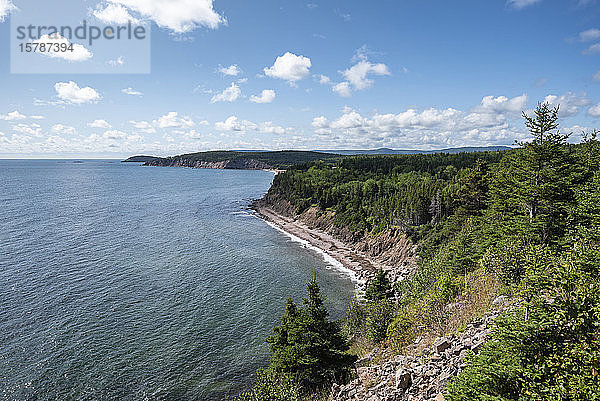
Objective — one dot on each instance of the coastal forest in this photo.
(523, 224)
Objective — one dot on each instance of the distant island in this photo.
(281, 160)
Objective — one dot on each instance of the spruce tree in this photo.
(308, 346)
(534, 184)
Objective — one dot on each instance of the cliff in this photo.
(362, 253)
(237, 164)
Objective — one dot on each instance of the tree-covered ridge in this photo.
(523, 223)
(379, 192)
(277, 160)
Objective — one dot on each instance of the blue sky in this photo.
(307, 75)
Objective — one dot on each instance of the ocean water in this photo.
(122, 282)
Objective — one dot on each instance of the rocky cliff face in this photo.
(391, 250)
(237, 164)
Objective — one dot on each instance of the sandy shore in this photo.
(358, 267)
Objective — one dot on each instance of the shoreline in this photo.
(334, 251)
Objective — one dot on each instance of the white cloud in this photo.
(172, 119)
(113, 14)
(230, 94)
(522, 3)
(63, 129)
(99, 124)
(345, 16)
(79, 53)
(143, 126)
(594, 111)
(72, 93)
(489, 123)
(114, 134)
(28, 129)
(590, 34)
(269, 128)
(37, 117)
(593, 49)
(131, 91)
(596, 76)
(266, 96)
(179, 16)
(193, 135)
(569, 103)
(502, 104)
(342, 89)
(320, 122)
(233, 70)
(232, 123)
(357, 74)
(6, 6)
(324, 79)
(289, 67)
(12, 116)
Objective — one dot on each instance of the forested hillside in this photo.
(523, 223)
(243, 160)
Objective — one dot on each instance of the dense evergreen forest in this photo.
(523, 223)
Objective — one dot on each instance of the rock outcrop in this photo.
(424, 371)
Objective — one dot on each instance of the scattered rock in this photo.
(403, 379)
(477, 346)
(441, 345)
(417, 375)
(499, 300)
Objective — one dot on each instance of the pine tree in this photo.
(308, 346)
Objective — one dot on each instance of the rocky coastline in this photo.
(362, 255)
(423, 370)
(232, 164)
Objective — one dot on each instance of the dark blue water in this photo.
(122, 282)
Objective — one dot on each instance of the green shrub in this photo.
(354, 322)
(379, 317)
(550, 348)
(403, 328)
(272, 387)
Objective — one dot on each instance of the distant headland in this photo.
(280, 160)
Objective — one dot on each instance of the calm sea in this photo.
(122, 282)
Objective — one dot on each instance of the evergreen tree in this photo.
(469, 192)
(379, 287)
(534, 185)
(308, 346)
